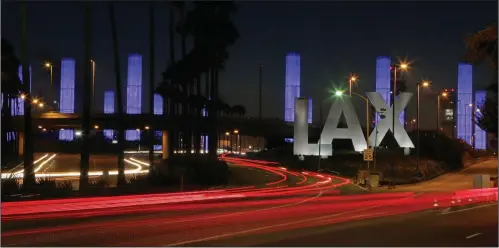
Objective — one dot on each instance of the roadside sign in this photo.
(368, 154)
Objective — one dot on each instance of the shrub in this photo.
(10, 185)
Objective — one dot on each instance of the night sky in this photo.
(333, 38)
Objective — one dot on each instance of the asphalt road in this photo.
(319, 216)
(471, 227)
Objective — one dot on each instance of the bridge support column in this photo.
(20, 142)
(164, 145)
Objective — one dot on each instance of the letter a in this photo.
(353, 131)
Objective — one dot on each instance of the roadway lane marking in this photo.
(445, 210)
(473, 235)
(468, 209)
(277, 225)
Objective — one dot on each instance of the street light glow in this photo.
(22, 96)
(444, 94)
(227, 133)
(40, 105)
(48, 64)
(404, 66)
(338, 93)
(96, 126)
(35, 101)
(425, 84)
(353, 78)
(236, 131)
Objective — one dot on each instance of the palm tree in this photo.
(29, 174)
(239, 110)
(152, 84)
(11, 86)
(119, 97)
(87, 98)
(482, 47)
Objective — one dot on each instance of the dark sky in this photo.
(334, 39)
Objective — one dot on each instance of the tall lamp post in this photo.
(350, 81)
(93, 82)
(402, 67)
(443, 94)
(419, 85)
(50, 67)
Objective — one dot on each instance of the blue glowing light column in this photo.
(480, 134)
(383, 76)
(67, 95)
(158, 110)
(310, 110)
(17, 105)
(158, 104)
(464, 102)
(109, 109)
(292, 85)
(134, 92)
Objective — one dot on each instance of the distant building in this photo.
(465, 102)
(292, 90)
(67, 94)
(134, 92)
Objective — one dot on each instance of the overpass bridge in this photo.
(246, 125)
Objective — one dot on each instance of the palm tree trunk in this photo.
(199, 114)
(119, 97)
(87, 91)
(29, 174)
(212, 141)
(151, 86)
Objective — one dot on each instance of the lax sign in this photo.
(343, 105)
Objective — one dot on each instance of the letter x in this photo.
(386, 124)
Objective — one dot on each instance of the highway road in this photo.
(475, 226)
(296, 209)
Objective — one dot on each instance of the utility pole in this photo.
(260, 92)
(320, 133)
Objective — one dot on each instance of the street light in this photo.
(403, 67)
(49, 66)
(22, 96)
(419, 85)
(96, 126)
(40, 105)
(350, 81)
(443, 94)
(93, 82)
(35, 101)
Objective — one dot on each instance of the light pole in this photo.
(419, 85)
(443, 94)
(93, 82)
(227, 138)
(49, 66)
(237, 138)
(350, 81)
(403, 67)
(472, 125)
